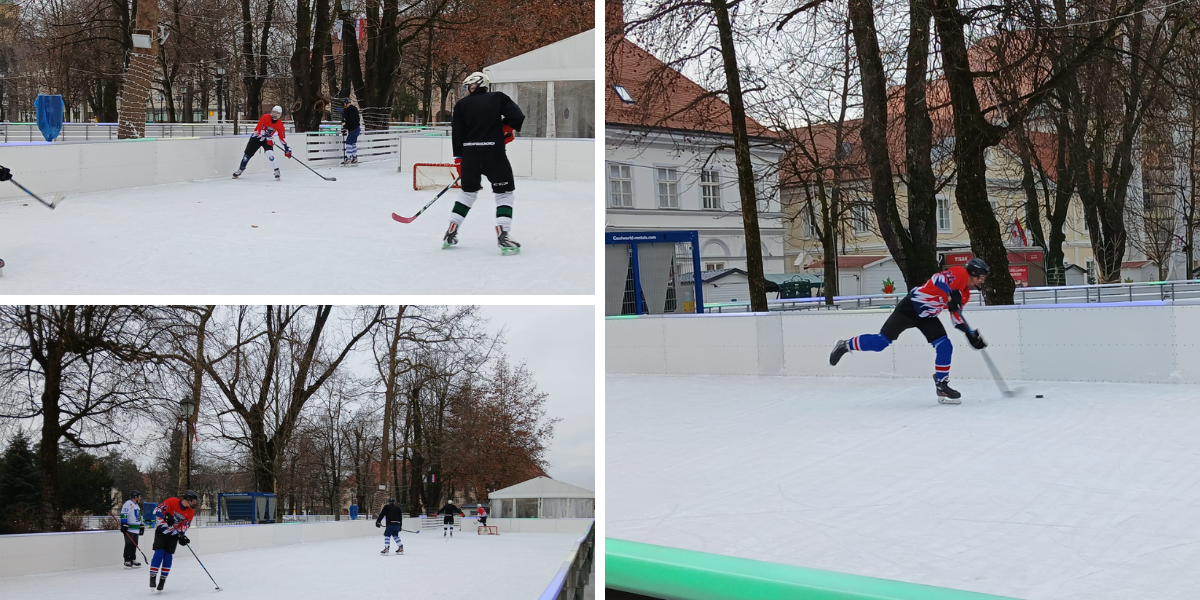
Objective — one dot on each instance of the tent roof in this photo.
(542, 487)
(572, 59)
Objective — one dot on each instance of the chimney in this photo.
(614, 18)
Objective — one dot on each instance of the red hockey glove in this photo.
(508, 134)
(458, 165)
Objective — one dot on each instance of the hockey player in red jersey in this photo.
(264, 137)
(948, 290)
(174, 517)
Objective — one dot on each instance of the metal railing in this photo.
(94, 132)
(572, 578)
(1158, 291)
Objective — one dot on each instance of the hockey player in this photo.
(482, 124)
(482, 515)
(448, 511)
(131, 528)
(264, 137)
(351, 127)
(174, 517)
(948, 290)
(394, 518)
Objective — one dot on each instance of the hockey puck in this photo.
(1039, 395)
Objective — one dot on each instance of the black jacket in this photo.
(350, 116)
(449, 509)
(477, 124)
(393, 514)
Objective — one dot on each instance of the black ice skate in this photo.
(346, 162)
(507, 245)
(400, 550)
(161, 583)
(947, 394)
(128, 564)
(840, 350)
(450, 240)
(354, 161)
(153, 577)
(276, 174)
(137, 565)
(237, 173)
(384, 552)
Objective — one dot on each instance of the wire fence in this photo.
(95, 132)
(113, 522)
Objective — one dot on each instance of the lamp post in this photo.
(187, 408)
(220, 94)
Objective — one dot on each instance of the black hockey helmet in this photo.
(976, 267)
(134, 493)
(391, 500)
(346, 100)
(189, 495)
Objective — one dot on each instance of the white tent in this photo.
(543, 498)
(555, 86)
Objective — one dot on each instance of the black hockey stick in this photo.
(410, 531)
(139, 549)
(314, 170)
(189, 547)
(51, 205)
(1008, 393)
(435, 199)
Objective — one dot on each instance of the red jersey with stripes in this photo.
(932, 297)
(183, 516)
(268, 128)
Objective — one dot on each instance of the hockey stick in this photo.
(435, 199)
(51, 205)
(189, 547)
(410, 531)
(139, 549)
(314, 170)
(1008, 393)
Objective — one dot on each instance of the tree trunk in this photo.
(139, 75)
(918, 143)
(256, 71)
(741, 150)
(308, 62)
(52, 509)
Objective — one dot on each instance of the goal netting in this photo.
(434, 175)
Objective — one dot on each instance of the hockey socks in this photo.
(871, 342)
(941, 362)
(462, 206)
(245, 161)
(504, 210)
(160, 566)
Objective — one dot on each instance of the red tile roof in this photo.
(855, 261)
(663, 97)
(1136, 264)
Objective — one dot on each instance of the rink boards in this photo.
(1149, 342)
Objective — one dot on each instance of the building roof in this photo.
(571, 59)
(852, 261)
(662, 96)
(1136, 264)
(710, 276)
(542, 487)
(779, 278)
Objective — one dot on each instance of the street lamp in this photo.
(187, 408)
(220, 94)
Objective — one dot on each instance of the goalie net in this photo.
(428, 176)
(488, 530)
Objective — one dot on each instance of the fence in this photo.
(1069, 294)
(572, 578)
(88, 132)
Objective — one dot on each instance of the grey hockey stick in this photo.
(1004, 389)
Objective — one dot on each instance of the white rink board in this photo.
(504, 567)
(300, 235)
(1104, 342)
(533, 158)
(1089, 493)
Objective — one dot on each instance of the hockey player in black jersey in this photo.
(448, 513)
(482, 124)
(394, 518)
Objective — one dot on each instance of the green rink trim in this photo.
(675, 574)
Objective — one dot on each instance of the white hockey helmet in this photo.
(476, 80)
(277, 109)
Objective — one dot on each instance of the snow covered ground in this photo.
(1092, 492)
(515, 566)
(301, 235)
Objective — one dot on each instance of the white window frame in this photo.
(623, 94)
(806, 224)
(714, 266)
(628, 172)
(710, 190)
(666, 189)
(860, 216)
(949, 228)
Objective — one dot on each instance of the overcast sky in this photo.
(557, 344)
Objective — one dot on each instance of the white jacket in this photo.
(131, 515)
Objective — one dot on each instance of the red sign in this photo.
(958, 259)
(1020, 273)
(1030, 256)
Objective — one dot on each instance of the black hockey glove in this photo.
(955, 303)
(973, 337)
(5, 174)
(377, 524)
(169, 519)
(183, 541)
(124, 529)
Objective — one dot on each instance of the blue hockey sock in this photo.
(245, 161)
(941, 362)
(166, 565)
(157, 560)
(871, 342)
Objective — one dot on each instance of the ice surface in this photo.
(515, 566)
(300, 235)
(1092, 492)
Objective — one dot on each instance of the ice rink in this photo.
(1092, 492)
(301, 235)
(517, 566)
